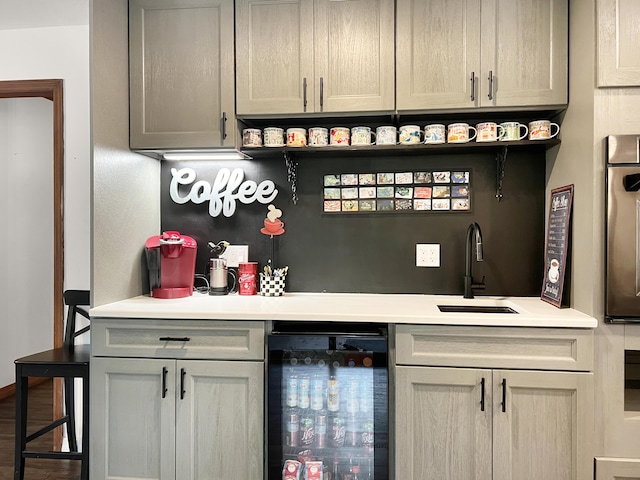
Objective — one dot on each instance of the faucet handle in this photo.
(479, 286)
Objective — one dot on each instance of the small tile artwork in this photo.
(424, 191)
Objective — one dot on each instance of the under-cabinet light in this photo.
(207, 155)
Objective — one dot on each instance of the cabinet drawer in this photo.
(177, 339)
(495, 347)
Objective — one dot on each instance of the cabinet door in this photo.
(219, 433)
(354, 60)
(181, 61)
(525, 52)
(442, 430)
(274, 49)
(132, 419)
(437, 53)
(618, 40)
(544, 429)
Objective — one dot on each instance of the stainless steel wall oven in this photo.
(622, 303)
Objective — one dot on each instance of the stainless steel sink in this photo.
(476, 309)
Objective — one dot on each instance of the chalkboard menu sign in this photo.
(557, 244)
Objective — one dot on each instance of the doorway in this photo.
(51, 90)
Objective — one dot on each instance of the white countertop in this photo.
(348, 307)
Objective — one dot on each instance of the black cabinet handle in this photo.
(473, 86)
(164, 382)
(490, 84)
(224, 125)
(482, 395)
(182, 374)
(174, 339)
(504, 394)
(321, 93)
(304, 94)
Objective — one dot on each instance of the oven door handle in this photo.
(632, 182)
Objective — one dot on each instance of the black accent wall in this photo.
(375, 253)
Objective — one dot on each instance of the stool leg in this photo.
(84, 474)
(70, 412)
(22, 390)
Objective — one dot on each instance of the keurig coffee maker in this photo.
(171, 260)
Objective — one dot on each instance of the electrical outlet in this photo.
(427, 255)
(236, 254)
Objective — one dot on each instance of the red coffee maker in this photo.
(171, 260)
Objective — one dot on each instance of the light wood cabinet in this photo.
(170, 418)
(478, 420)
(454, 54)
(314, 56)
(181, 74)
(617, 468)
(618, 40)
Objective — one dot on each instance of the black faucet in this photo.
(469, 286)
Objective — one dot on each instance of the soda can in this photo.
(321, 431)
(337, 432)
(307, 432)
(292, 392)
(292, 430)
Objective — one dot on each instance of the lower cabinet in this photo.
(617, 468)
(174, 419)
(490, 423)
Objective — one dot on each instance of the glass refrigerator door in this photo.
(328, 408)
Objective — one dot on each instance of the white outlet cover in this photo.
(235, 254)
(427, 255)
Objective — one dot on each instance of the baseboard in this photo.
(10, 390)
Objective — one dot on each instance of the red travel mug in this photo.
(247, 278)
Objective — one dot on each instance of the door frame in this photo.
(51, 89)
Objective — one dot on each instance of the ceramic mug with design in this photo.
(251, 137)
(511, 131)
(435, 133)
(339, 136)
(410, 134)
(273, 137)
(459, 133)
(386, 135)
(362, 136)
(318, 137)
(296, 137)
(542, 130)
(488, 132)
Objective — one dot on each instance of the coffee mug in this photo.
(386, 135)
(541, 130)
(410, 134)
(296, 137)
(339, 136)
(251, 137)
(362, 136)
(318, 137)
(434, 133)
(459, 133)
(488, 132)
(511, 131)
(273, 137)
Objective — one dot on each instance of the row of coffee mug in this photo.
(407, 135)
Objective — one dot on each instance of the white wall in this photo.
(26, 215)
(47, 53)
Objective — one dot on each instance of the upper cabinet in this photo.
(181, 55)
(453, 54)
(314, 56)
(618, 40)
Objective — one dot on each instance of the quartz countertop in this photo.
(349, 307)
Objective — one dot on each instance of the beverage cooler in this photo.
(327, 401)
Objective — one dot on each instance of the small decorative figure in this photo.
(272, 224)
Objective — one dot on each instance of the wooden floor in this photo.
(40, 413)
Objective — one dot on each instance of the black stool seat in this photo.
(68, 362)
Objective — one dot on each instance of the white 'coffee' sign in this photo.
(227, 187)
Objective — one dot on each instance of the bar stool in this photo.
(68, 362)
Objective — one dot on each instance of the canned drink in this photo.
(303, 392)
(337, 432)
(306, 431)
(321, 431)
(367, 436)
(333, 396)
(292, 430)
(351, 433)
(292, 391)
(317, 394)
